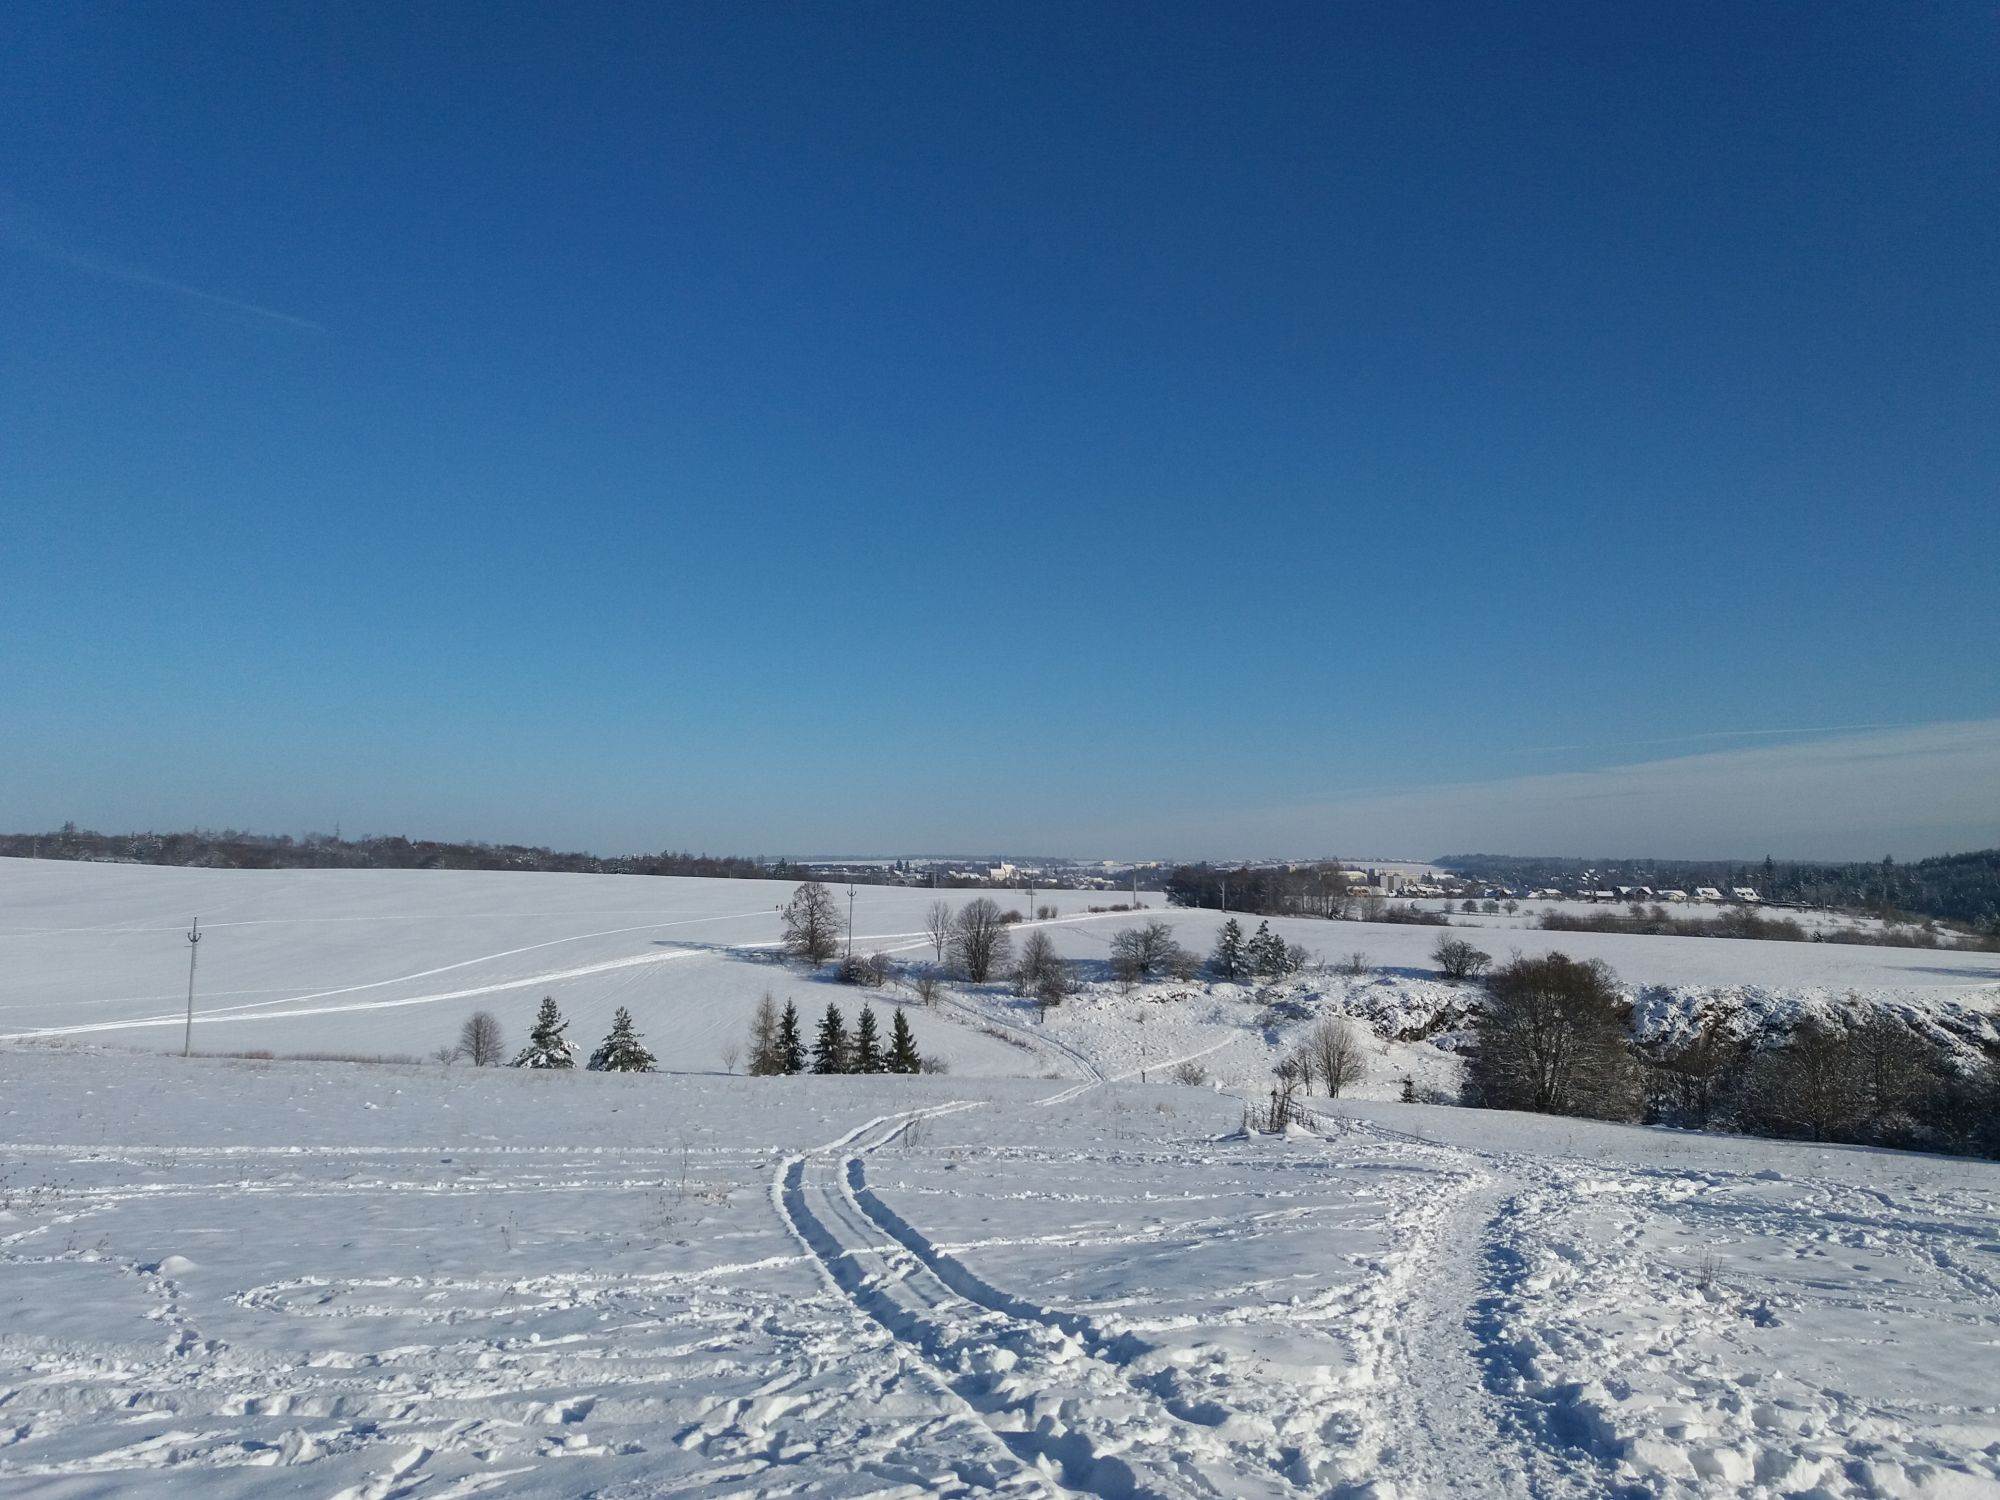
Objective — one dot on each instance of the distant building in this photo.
(1707, 893)
(1745, 894)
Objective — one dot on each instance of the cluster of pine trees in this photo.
(1263, 955)
(777, 1043)
(621, 1051)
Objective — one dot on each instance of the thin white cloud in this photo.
(1905, 791)
(1709, 736)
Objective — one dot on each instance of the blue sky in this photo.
(1075, 428)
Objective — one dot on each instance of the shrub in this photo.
(1140, 953)
(1459, 960)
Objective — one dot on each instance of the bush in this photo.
(854, 970)
(1141, 953)
(1459, 960)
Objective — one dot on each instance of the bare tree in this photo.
(1040, 975)
(980, 945)
(731, 1056)
(1815, 1085)
(812, 923)
(445, 1055)
(937, 923)
(1688, 1082)
(766, 1057)
(1139, 953)
(924, 985)
(1038, 959)
(1336, 1055)
(1898, 1068)
(480, 1040)
(1458, 959)
(1551, 1038)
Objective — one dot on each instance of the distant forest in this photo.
(230, 849)
(1954, 887)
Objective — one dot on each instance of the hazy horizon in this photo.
(1946, 772)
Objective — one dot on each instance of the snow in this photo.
(559, 1284)
(1052, 1272)
(386, 961)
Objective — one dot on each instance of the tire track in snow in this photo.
(845, 1269)
(1060, 1395)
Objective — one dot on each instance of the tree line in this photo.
(1951, 887)
(1748, 922)
(1313, 890)
(1554, 1036)
(234, 849)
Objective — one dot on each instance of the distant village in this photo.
(1113, 875)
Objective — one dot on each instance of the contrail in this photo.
(46, 248)
(146, 278)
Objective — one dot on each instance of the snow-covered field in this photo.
(1039, 1274)
(380, 961)
(225, 1277)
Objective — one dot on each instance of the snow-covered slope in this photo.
(1054, 1272)
(241, 1278)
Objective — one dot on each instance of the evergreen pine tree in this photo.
(902, 1046)
(868, 1044)
(1266, 951)
(830, 1049)
(546, 1047)
(1227, 960)
(791, 1046)
(622, 1051)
